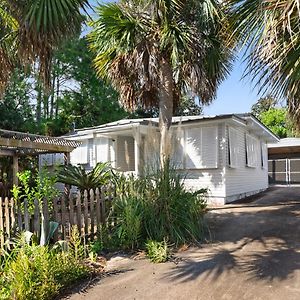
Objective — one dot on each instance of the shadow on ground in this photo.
(261, 241)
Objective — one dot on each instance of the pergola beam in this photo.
(14, 143)
(4, 152)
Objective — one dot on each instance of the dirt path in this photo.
(255, 254)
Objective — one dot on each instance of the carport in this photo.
(284, 161)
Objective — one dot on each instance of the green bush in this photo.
(156, 207)
(129, 213)
(157, 252)
(37, 272)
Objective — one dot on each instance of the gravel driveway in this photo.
(254, 253)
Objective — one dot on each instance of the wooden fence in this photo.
(88, 211)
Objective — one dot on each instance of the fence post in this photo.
(1, 224)
(36, 220)
(92, 205)
(86, 217)
(98, 210)
(78, 211)
(26, 215)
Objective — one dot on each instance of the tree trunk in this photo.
(165, 109)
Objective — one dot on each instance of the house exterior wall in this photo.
(213, 155)
(242, 180)
(209, 176)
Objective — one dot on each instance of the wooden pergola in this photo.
(16, 144)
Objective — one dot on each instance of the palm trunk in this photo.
(165, 109)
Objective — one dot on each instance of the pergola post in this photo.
(15, 169)
(66, 162)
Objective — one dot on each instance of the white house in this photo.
(226, 154)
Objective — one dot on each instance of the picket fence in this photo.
(87, 210)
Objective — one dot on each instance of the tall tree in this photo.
(155, 51)
(16, 109)
(30, 30)
(271, 32)
(274, 116)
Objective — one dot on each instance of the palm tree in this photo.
(271, 32)
(30, 30)
(154, 52)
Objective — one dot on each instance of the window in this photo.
(264, 155)
(233, 147)
(201, 148)
(80, 154)
(253, 152)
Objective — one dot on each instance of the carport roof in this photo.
(286, 145)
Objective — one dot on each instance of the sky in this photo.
(234, 95)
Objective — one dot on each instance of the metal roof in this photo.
(247, 119)
(286, 142)
(175, 120)
(26, 143)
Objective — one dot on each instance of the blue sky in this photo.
(234, 95)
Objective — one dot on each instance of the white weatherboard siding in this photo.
(242, 180)
(210, 160)
(225, 154)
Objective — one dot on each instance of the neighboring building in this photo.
(226, 154)
(284, 161)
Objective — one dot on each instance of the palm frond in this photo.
(131, 38)
(79, 177)
(270, 30)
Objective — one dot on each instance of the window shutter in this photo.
(264, 155)
(201, 148)
(209, 147)
(253, 151)
(193, 148)
(102, 149)
(80, 154)
(234, 149)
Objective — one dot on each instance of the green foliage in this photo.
(263, 104)
(157, 252)
(129, 218)
(84, 180)
(270, 31)
(16, 109)
(31, 271)
(93, 102)
(276, 118)
(29, 276)
(37, 187)
(134, 40)
(75, 96)
(155, 207)
(30, 31)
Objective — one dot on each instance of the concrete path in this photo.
(254, 254)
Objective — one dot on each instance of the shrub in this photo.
(129, 213)
(157, 252)
(155, 207)
(37, 272)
